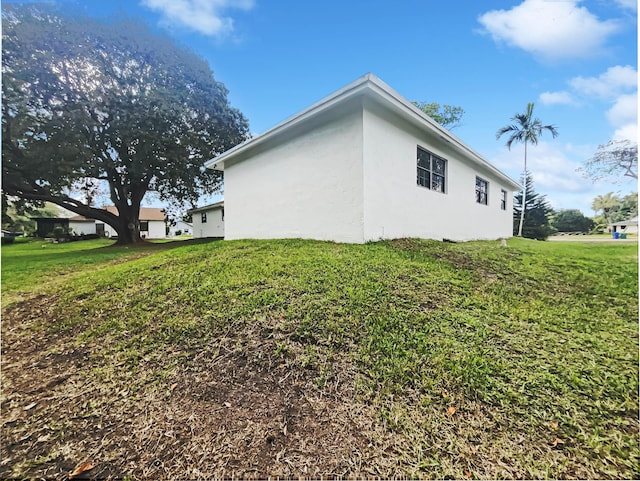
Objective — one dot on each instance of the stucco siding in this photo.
(395, 206)
(157, 230)
(82, 227)
(214, 225)
(308, 185)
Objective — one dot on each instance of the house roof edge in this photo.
(368, 82)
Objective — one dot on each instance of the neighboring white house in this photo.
(81, 225)
(362, 164)
(152, 223)
(182, 227)
(208, 220)
(629, 226)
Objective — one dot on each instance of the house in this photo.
(152, 223)
(46, 225)
(629, 226)
(208, 220)
(81, 225)
(8, 236)
(362, 164)
(182, 227)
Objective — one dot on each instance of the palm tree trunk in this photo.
(524, 192)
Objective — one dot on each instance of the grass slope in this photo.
(308, 359)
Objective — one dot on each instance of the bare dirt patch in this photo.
(233, 413)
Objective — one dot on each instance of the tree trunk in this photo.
(524, 192)
(128, 228)
(126, 235)
(126, 223)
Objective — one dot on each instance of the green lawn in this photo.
(29, 264)
(473, 360)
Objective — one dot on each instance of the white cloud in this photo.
(552, 166)
(630, 4)
(616, 87)
(557, 98)
(627, 132)
(204, 16)
(550, 29)
(624, 116)
(624, 111)
(615, 81)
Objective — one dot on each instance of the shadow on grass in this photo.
(162, 244)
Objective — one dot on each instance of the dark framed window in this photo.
(203, 217)
(432, 171)
(503, 199)
(482, 191)
(144, 225)
(223, 213)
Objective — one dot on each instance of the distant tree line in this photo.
(542, 220)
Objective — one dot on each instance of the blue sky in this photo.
(577, 60)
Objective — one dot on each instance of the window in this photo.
(431, 171)
(203, 217)
(482, 190)
(144, 226)
(223, 214)
(503, 199)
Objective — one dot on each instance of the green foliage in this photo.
(86, 103)
(526, 129)
(533, 342)
(448, 116)
(537, 223)
(613, 208)
(59, 233)
(17, 216)
(571, 220)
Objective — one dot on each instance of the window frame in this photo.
(142, 224)
(480, 192)
(203, 217)
(430, 174)
(503, 199)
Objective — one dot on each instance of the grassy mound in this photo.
(311, 359)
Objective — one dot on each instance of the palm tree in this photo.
(606, 203)
(526, 130)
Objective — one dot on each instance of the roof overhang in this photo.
(215, 205)
(372, 87)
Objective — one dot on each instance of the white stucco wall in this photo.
(156, 230)
(309, 186)
(82, 227)
(395, 206)
(213, 227)
(183, 227)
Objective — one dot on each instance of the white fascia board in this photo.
(368, 84)
(409, 111)
(206, 207)
(350, 90)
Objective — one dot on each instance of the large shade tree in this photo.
(449, 116)
(86, 103)
(525, 129)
